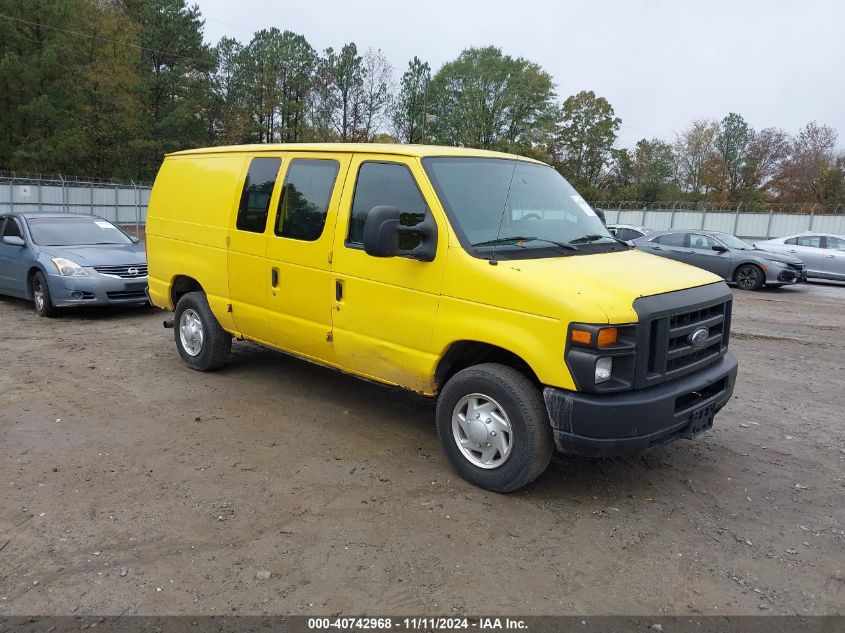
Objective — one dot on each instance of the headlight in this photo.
(604, 369)
(776, 263)
(601, 356)
(68, 268)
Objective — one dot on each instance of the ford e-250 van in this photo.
(479, 278)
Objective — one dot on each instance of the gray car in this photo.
(823, 253)
(69, 260)
(729, 257)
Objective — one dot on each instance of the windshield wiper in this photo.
(501, 240)
(587, 239)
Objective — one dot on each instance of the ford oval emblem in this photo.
(699, 337)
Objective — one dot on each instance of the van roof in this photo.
(363, 148)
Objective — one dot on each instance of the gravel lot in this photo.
(131, 484)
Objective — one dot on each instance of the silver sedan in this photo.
(728, 256)
(823, 253)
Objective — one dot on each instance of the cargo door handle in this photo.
(274, 277)
(338, 290)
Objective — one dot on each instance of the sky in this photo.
(660, 63)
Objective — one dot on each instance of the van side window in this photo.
(255, 198)
(305, 197)
(389, 184)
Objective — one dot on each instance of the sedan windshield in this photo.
(734, 242)
(74, 231)
(513, 203)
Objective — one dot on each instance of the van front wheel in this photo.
(201, 342)
(493, 426)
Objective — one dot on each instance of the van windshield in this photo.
(510, 205)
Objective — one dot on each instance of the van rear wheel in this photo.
(493, 427)
(201, 342)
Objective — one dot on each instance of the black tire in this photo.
(520, 399)
(749, 277)
(216, 343)
(41, 296)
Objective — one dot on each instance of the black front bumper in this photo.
(629, 422)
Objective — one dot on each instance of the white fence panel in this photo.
(829, 224)
(719, 221)
(123, 203)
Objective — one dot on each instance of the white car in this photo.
(628, 232)
(823, 253)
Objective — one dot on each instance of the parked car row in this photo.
(823, 253)
(58, 260)
(776, 262)
(729, 257)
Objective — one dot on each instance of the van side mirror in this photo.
(383, 227)
(14, 240)
(719, 248)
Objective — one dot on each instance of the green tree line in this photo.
(104, 88)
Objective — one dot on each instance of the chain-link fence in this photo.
(743, 207)
(123, 203)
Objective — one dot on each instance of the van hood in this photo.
(100, 254)
(600, 288)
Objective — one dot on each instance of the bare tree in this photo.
(376, 89)
(694, 147)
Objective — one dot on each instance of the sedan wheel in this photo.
(749, 277)
(41, 296)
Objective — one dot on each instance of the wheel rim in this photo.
(747, 277)
(190, 332)
(482, 431)
(38, 292)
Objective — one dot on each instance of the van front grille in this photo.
(667, 334)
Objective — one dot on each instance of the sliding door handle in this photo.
(338, 290)
(274, 277)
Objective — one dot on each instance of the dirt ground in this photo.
(130, 484)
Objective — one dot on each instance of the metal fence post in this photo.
(703, 215)
(39, 197)
(91, 190)
(736, 219)
(769, 223)
(12, 195)
(812, 217)
(116, 204)
(64, 196)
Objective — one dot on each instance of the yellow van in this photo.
(479, 278)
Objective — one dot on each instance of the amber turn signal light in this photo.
(581, 336)
(608, 337)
